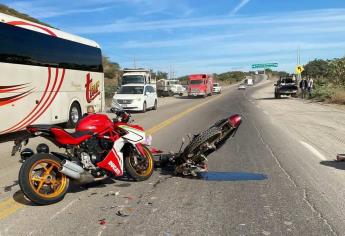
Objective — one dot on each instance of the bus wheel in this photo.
(74, 115)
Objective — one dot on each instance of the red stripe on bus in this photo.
(11, 89)
(37, 105)
(15, 23)
(52, 100)
(39, 113)
(7, 100)
(12, 86)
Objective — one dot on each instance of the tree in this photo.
(336, 71)
(161, 75)
(111, 69)
(317, 68)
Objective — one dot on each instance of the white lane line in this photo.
(101, 231)
(266, 112)
(314, 151)
(63, 209)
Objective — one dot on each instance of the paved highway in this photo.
(299, 197)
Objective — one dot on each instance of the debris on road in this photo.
(102, 222)
(124, 212)
(112, 193)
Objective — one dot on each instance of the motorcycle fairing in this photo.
(135, 133)
(113, 162)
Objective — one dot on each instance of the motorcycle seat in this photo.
(62, 136)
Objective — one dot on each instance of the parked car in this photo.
(136, 97)
(242, 87)
(217, 88)
(285, 86)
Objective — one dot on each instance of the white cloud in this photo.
(295, 18)
(240, 5)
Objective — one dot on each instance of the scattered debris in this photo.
(112, 193)
(102, 222)
(121, 213)
(287, 223)
(266, 233)
(129, 198)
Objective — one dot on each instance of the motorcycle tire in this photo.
(193, 147)
(140, 175)
(44, 185)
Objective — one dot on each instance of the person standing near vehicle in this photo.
(303, 85)
(310, 86)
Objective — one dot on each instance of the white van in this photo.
(136, 97)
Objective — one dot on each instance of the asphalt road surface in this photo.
(299, 197)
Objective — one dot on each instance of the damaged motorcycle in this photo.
(192, 159)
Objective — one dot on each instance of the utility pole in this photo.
(135, 62)
(298, 61)
(170, 72)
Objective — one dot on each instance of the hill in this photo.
(10, 11)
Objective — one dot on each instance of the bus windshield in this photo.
(131, 90)
(196, 82)
(133, 79)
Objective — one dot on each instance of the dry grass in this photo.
(338, 96)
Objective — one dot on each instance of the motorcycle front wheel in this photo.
(40, 180)
(139, 167)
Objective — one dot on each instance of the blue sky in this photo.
(201, 36)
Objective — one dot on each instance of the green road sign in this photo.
(266, 65)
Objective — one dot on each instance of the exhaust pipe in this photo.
(72, 166)
(71, 169)
(76, 172)
(70, 173)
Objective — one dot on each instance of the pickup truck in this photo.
(285, 86)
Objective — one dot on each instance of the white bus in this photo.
(46, 76)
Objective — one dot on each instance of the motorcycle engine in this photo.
(93, 151)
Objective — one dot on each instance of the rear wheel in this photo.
(74, 115)
(155, 106)
(207, 137)
(139, 167)
(40, 180)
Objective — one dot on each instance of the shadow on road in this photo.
(340, 165)
(20, 198)
(186, 97)
(272, 98)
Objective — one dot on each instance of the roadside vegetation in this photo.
(329, 79)
(10, 11)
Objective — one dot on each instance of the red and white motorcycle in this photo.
(98, 148)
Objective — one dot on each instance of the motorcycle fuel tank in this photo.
(94, 123)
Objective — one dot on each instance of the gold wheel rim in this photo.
(45, 179)
(149, 162)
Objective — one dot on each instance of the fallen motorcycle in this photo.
(193, 158)
(98, 148)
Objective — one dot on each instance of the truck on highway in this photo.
(47, 76)
(249, 81)
(200, 85)
(285, 86)
(169, 87)
(138, 76)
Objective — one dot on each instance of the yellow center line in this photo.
(171, 120)
(9, 206)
